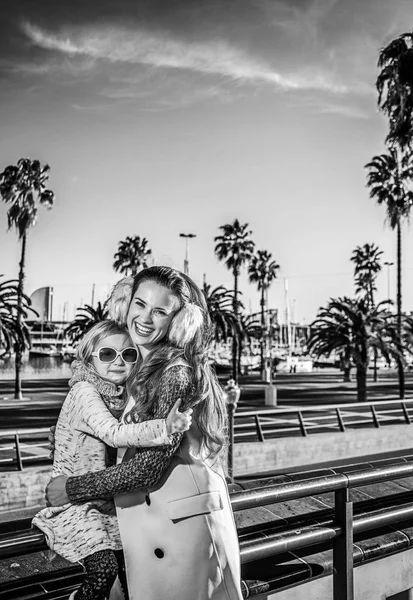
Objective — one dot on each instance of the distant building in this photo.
(42, 303)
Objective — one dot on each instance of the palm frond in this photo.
(23, 186)
(86, 317)
(262, 269)
(234, 246)
(132, 254)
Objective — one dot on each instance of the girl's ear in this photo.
(185, 324)
(119, 300)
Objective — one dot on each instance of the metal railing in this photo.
(263, 424)
(338, 529)
(250, 425)
(19, 446)
(341, 530)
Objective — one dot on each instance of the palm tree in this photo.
(235, 248)
(367, 265)
(12, 332)
(131, 255)
(23, 186)
(262, 270)
(86, 317)
(387, 178)
(351, 328)
(220, 305)
(395, 89)
(250, 329)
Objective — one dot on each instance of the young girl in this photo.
(88, 420)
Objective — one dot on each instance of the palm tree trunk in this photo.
(17, 347)
(361, 383)
(375, 370)
(263, 329)
(346, 365)
(399, 308)
(235, 368)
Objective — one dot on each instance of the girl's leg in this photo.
(122, 572)
(101, 571)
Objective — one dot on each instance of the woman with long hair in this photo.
(175, 517)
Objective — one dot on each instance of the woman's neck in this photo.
(143, 351)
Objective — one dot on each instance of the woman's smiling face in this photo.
(151, 311)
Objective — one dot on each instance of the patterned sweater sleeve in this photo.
(146, 468)
(96, 419)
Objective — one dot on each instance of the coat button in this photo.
(159, 553)
(147, 500)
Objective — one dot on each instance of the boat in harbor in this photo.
(46, 340)
(45, 350)
(68, 353)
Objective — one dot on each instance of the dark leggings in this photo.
(101, 569)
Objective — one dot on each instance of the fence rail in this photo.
(341, 530)
(28, 446)
(20, 446)
(263, 424)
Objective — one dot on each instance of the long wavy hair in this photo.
(189, 338)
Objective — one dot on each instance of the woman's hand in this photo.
(56, 491)
(178, 421)
(51, 438)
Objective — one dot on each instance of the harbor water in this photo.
(36, 368)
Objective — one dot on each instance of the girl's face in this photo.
(117, 371)
(151, 311)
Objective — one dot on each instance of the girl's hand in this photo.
(56, 491)
(51, 437)
(178, 421)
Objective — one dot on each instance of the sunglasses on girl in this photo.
(106, 354)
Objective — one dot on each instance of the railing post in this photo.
(259, 429)
(375, 417)
(340, 420)
(343, 584)
(302, 423)
(18, 453)
(406, 413)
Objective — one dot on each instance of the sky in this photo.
(161, 117)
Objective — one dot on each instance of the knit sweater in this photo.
(147, 466)
(85, 423)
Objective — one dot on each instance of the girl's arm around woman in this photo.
(97, 419)
(148, 465)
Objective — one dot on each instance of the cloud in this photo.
(297, 20)
(162, 50)
(353, 112)
(25, 67)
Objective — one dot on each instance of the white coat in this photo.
(179, 537)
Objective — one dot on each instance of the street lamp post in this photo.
(270, 389)
(187, 237)
(388, 265)
(231, 394)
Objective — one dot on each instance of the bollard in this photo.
(270, 395)
(232, 394)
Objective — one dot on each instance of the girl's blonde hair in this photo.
(189, 338)
(92, 338)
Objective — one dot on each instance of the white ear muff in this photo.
(119, 300)
(185, 325)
